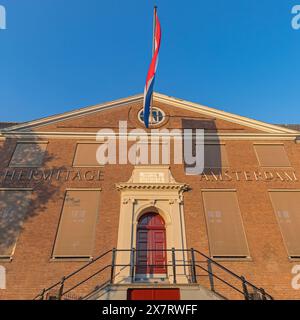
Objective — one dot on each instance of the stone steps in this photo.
(187, 291)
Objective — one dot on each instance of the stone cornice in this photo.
(180, 187)
(93, 135)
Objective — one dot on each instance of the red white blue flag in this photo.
(152, 70)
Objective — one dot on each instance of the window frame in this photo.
(291, 258)
(270, 144)
(10, 165)
(226, 257)
(72, 257)
(85, 166)
(153, 124)
(6, 258)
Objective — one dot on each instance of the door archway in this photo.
(151, 257)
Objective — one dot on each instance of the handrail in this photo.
(217, 277)
(73, 273)
(192, 263)
(86, 279)
(228, 271)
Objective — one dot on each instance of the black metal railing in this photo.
(196, 266)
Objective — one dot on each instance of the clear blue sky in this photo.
(241, 56)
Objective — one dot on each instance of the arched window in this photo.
(157, 116)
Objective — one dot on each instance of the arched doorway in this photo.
(151, 235)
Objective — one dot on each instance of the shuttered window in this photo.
(14, 206)
(85, 155)
(286, 206)
(28, 155)
(76, 232)
(269, 155)
(215, 156)
(224, 223)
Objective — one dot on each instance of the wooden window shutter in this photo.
(286, 205)
(14, 206)
(272, 155)
(215, 156)
(85, 155)
(28, 155)
(76, 231)
(224, 223)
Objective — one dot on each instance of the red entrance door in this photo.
(153, 294)
(151, 235)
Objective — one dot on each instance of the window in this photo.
(85, 155)
(226, 234)
(28, 154)
(14, 205)
(158, 116)
(215, 156)
(76, 231)
(286, 206)
(269, 155)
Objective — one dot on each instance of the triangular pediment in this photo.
(181, 113)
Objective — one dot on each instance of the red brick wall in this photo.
(32, 268)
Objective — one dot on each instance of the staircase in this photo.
(194, 274)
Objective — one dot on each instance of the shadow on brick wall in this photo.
(22, 197)
(208, 126)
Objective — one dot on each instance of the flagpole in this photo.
(154, 27)
(153, 50)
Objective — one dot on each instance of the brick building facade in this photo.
(60, 208)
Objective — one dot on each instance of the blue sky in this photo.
(241, 56)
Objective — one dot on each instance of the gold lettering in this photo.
(100, 175)
(9, 174)
(68, 174)
(48, 175)
(20, 175)
(36, 174)
(289, 178)
(30, 175)
(279, 176)
(58, 174)
(88, 176)
(257, 176)
(227, 175)
(215, 177)
(268, 175)
(247, 176)
(205, 176)
(77, 176)
(237, 175)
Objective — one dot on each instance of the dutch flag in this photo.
(148, 91)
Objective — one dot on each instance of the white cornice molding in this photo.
(93, 135)
(259, 125)
(74, 114)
